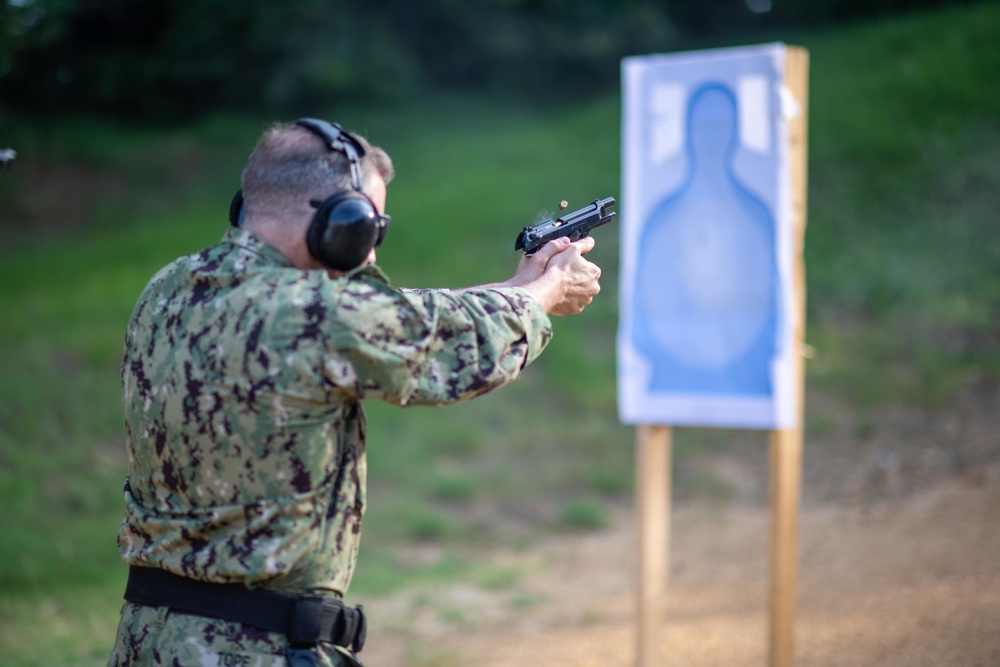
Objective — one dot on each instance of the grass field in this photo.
(904, 296)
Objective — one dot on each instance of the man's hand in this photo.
(559, 277)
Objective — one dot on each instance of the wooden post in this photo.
(786, 445)
(785, 461)
(652, 467)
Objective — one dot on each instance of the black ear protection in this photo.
(347, 225)
(236, 212)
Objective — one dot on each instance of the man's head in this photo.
(292, 169)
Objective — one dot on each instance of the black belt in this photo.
(304, 620)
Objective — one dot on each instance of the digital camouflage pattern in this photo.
(243, 379)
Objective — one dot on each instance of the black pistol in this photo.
(575, 225)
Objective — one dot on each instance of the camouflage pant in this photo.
(154, 636)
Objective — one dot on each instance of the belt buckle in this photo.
(344, 626)
(361, 630)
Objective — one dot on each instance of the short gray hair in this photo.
(291, 164)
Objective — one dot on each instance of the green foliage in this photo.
(183, 59)
(179, 60)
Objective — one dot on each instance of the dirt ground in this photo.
(899, 566)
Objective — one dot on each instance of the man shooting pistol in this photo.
(575, 225)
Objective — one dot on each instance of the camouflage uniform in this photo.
(243, 379)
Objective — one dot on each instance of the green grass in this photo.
(902, 251)
(902, 258)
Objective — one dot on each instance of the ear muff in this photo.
(236, 212)
(347, 226)
(344, 230)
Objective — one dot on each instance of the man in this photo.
(243, 374)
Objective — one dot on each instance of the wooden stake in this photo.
(786, 446)
(786, 457)
(653, 445)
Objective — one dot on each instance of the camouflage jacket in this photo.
(243, 379)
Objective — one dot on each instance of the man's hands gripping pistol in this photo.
(553, 268)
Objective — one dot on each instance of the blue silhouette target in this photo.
(705, 329)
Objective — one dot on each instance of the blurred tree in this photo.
(700, 19)
(156, 59)
(534, 45)
(159, 60)
(151, 60)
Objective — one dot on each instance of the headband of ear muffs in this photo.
(347, 225)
